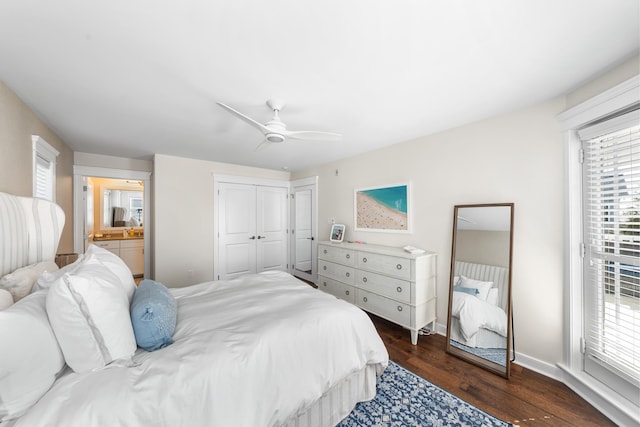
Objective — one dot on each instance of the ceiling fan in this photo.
(275, 131)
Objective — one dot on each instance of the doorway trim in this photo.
(81, 172)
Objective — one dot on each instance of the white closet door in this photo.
(272, 220)
(303, 232)
(237, 230)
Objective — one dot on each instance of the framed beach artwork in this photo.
(383, 209)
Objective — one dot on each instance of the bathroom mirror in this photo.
(479, 320)
(121, 207)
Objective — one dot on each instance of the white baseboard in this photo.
(544, 368)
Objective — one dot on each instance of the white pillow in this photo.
(30, 357)
(20, 281)
(6, 300)
(94, 255)
(98, 255)
(482, 287)
(89, 313)
(49, 277)
(493, 297)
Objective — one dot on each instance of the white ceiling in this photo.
(133, 78)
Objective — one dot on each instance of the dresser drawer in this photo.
(393, 266)
(384, 307)
(398, 289)
(335, 271)
(337, 289)
(337, 254)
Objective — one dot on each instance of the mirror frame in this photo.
(496, 368)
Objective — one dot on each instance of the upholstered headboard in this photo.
(30, 231)
(487, 273)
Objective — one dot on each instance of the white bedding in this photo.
(474, 313)
(251, 351)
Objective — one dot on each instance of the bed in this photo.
(258, 350)
(479, 319)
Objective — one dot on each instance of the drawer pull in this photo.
(364, 299)
(324, 283)
(399, 289)
(324, 267)
(399, 308)
(347, 274)
(348, 256)
(364, 279)
(325, 251)
(399, 266)
(346, 292)
(364, 259)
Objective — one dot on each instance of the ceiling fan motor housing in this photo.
(274, 137)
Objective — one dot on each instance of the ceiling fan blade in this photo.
(311, 135)
(244, 118)
(260, 146)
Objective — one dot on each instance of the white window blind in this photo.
(44, 169)
(611, 209)
(43, 177)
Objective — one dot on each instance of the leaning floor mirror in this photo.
(479, 321)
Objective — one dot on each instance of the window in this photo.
(44, 169)
(135, 210)
(611, 237)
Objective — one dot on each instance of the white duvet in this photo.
(475, 313)
(248, 352)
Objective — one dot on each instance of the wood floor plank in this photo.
(526, 399)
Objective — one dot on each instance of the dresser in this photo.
(383, 280)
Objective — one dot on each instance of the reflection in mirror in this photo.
(121, 208)
(479, 321)
(121, 204)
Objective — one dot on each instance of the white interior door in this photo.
(304, 230)
(272, 219)
(237, 230)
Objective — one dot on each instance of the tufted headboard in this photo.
(487, 273)
(30, 231)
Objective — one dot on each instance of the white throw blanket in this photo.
(474, 314)
(248, 352)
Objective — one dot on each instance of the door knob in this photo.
(252, 238)
(262, 237)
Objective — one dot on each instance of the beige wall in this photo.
(515, 157)
(483, 247)
(17, 124)
(184, 216)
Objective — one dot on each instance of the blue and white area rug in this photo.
(405, 399)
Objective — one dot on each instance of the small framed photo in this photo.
(337, 233)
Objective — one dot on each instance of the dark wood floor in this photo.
(526, 399)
